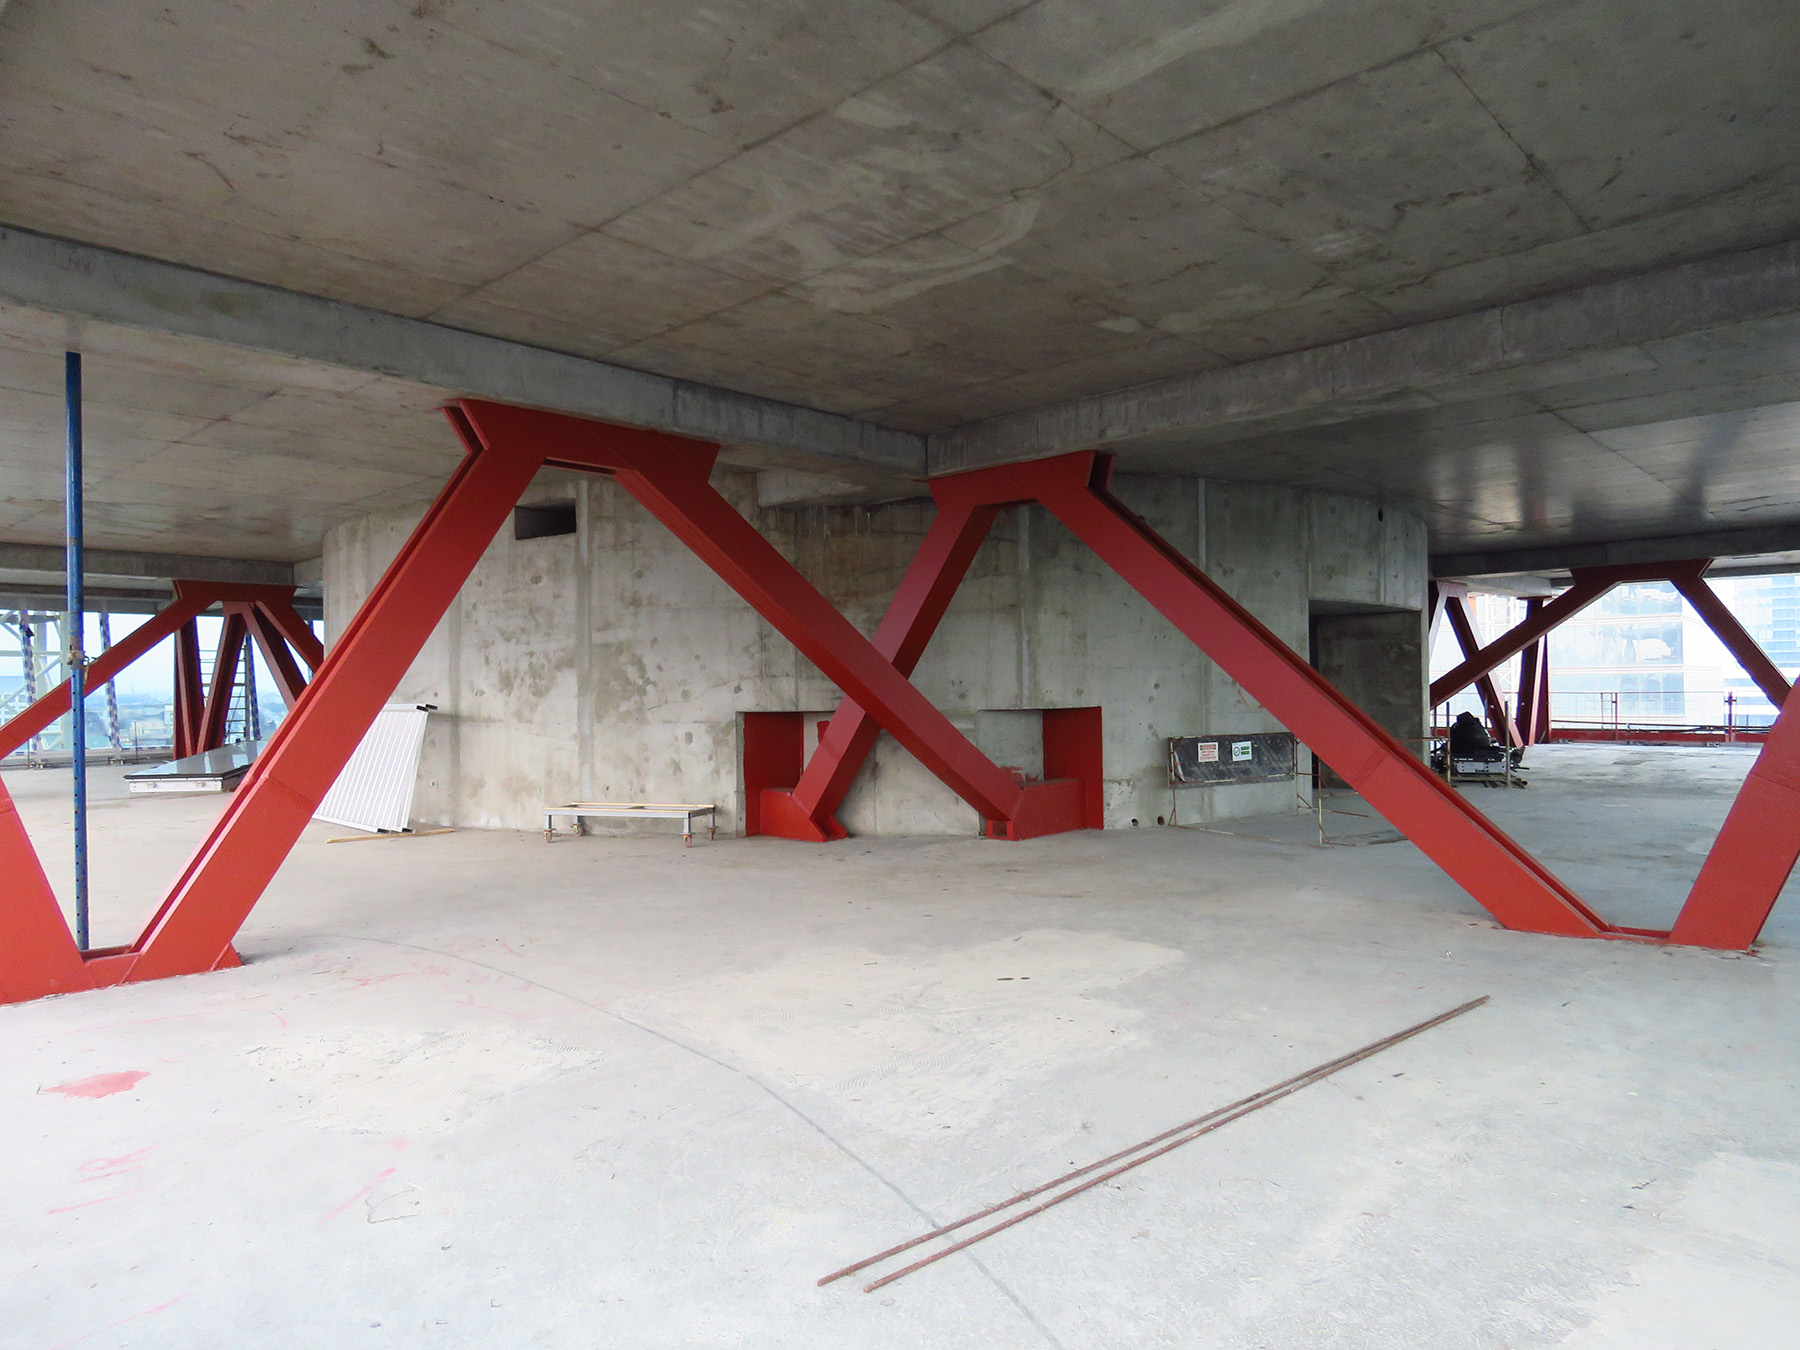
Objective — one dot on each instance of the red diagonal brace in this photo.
(668, 476)
(277, 655)
(192, 930)
(281, 615)
(190, 698)
(1578, 597)
(809, 811)
(104, 668)
(1533, 704)
(229, 872)
(1755, 852)
(1454, 599)
(230, 651)
(37, 951)
(1747, 651)
(1512, 885)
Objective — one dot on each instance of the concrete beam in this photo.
(1738, 288)
(111, 562)
(113, 600)
(1676, 548)
(108, 599)
(63, 277)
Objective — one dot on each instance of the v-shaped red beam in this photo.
(193, 928)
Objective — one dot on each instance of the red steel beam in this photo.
(1534, 685)
(1510, 643)
(276, 602)
(232, 867)
(191, 599)
(1744, 648)
(809, 811)
(217, 709)
(190, 699)
(668, 476)
(296, 631)
(277, 655)
(1755, 852)
(1455, 604)
(1512, 885)
(192, 929)
(1590, 583)
(38, 955)
(105, 667)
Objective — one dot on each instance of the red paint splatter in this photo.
(95, 1168)
(110, 1326)
(366, 980)
(101, 1084)
(380, 1177)
(102, 1200)
(469, 1001)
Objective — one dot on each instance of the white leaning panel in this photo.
(375, 790)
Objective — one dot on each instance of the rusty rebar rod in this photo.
(1187, 1130)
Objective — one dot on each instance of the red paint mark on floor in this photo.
(101, 1084)
(100, 1200)
(110, 1326)
(95, 1168)
(469, 1001)
(380, 1177)
(138, 1022)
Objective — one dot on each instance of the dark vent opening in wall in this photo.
(540, 522)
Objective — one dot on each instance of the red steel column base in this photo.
(1055, 807)
(785, 818)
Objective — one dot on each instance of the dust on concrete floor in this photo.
(474, 1089)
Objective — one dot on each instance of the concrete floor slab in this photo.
(475, 1089)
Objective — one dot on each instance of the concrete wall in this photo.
(611, 664)
(1379, 660)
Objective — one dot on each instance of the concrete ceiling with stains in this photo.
(921, 214)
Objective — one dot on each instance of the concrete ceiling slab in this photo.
(1379, 213)
(197, 449)
(1153, 71)
(1296, 233)
(597, 295)
(1710, 106)
(952, 136)
(737, 70)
